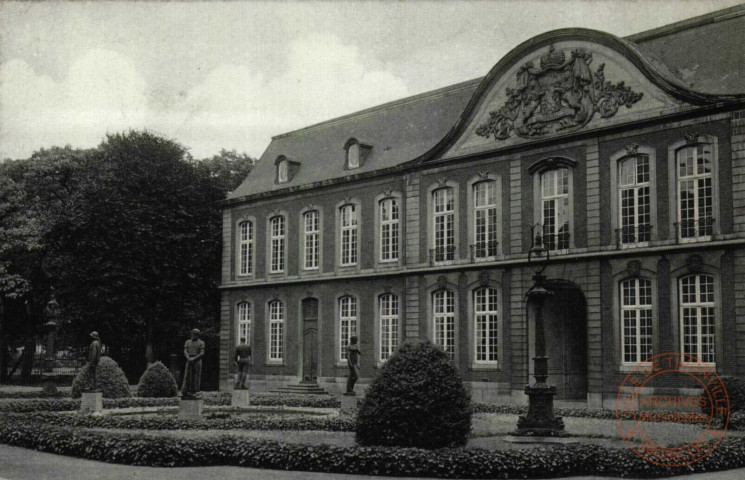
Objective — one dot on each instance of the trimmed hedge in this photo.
(126, 422)
(417, 400)
(109, 377)
(735, 387)
(158, 451)
(156, 382)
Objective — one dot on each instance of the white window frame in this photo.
(638, 231)
(354, 155)
(311, 240)
(695, 178)
(276, 330)
(390, 229)
(388, 325)
(557, 197)
(616, 159)
(348, 323)
(491, 318)
(482, 241)
(243, 321)
(245, 247)
(698, 305)
(349, 235)
(277, 245)
(637, 311)
(443, 320)
(443, 224)
(283, 171)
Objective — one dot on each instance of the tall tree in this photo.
(228, 168)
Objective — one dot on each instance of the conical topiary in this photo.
(417, 400)
(157, 381)
(110, 379)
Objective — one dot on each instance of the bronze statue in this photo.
(194, 352)
(243, 360)
(353, 360)
(94, 356)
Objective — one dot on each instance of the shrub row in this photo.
(33, 394)
(562, 412)
(334, 424)
(131, 449)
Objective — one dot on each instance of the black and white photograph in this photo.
(361, 239)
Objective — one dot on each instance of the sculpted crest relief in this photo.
(562, 94)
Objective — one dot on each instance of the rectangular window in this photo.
(388, 230)
(444, 222)
(486, 323)
(388, 325)
(277, 262)
(695, 191)
(244, 321)
(636, 318)
(276, 330)
(349, 235)
(444, 320)
(245, 257)
(634, 197)
(347, 323)
(485, 219)
(555, 208)
(697, 318)
(312, 231)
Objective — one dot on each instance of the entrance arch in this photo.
(565, 326)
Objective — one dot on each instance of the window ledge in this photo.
(485, 366)
(274, 363)
(630, 367)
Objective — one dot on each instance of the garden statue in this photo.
(94, 356)
(243, 360)
(194, 352)
(353, 360)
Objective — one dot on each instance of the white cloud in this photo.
(233, 107)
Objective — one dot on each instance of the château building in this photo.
(625, 157)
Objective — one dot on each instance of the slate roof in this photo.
(703, 53)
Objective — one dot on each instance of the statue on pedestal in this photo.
(194, 352)
(353, 360)
(243, 360)
(94, 356)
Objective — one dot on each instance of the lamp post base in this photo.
(540, 420)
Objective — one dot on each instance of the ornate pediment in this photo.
(562, 94)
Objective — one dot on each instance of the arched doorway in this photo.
(565, 325)
(309, 310)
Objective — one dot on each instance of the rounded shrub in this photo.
(110, 379)
(417, 400)
(157, 381)
(735, 387)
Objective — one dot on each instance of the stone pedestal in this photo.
(190, 409)
(92, 402)
(239, 398)
(349, 403)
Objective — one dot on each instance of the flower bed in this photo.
(559, 461)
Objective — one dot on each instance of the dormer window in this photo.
(286, 169)
(357, 153)
(282, 170)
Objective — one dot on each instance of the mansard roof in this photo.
(698, 61)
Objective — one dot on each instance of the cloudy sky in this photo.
(230, 75)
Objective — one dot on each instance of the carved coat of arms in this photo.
(560, 95)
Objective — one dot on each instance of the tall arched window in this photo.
(444, 224)
(555, 208)
(347, 323)
(697, 317)
(244, 321)
(388, 311)
(311, 227)
(695, 183)
(485, 219)
(486, 324)
(276, 330)
(245, 251)
(634, 199)
(277, 261)
(388, 230)
(636, 319)
(349, 235)
(443, 308)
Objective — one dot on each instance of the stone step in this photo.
(302, 388)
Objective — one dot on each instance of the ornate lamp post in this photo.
(540, 419)
(52, 314)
